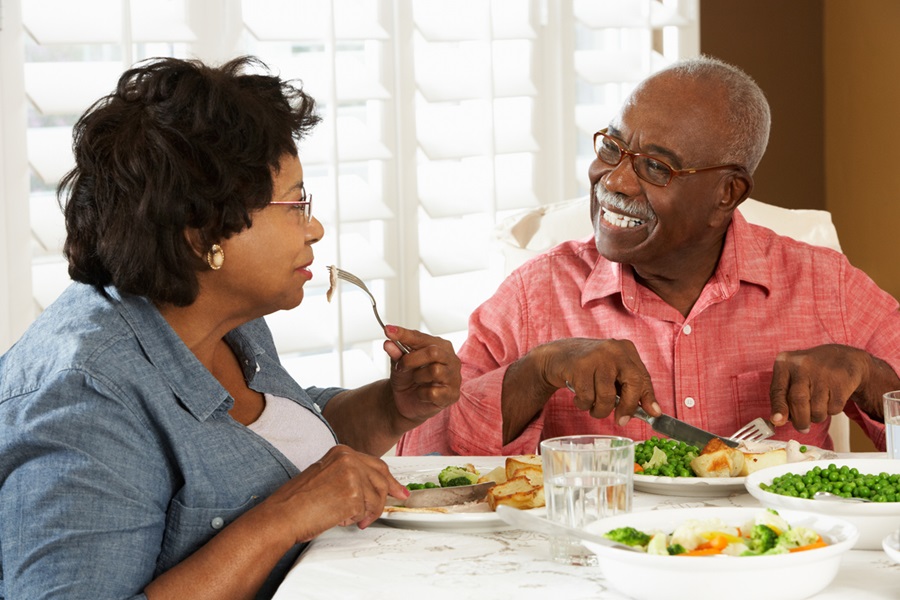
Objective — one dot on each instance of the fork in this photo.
(351, 278)
(756, 430)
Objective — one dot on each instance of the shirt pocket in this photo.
(751, 394)
(188, 528)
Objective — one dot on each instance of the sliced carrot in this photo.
(701, 552)
(713, 546)
(638, 468)
(819, 543)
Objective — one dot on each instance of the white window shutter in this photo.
(439, 119)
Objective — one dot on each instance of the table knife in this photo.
(444, 496)
(681, 431)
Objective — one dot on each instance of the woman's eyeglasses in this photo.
(303, 206)
(649, 168)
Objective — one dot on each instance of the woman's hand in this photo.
(425, 381)
(344, 487)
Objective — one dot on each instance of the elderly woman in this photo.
(151, 444)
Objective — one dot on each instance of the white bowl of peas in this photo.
(791, 486)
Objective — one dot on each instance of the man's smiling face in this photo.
(656, 228)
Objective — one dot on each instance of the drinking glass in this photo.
(586, 477)
(892, 423)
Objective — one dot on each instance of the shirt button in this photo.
(686, 330)
(217, 522)
(689, 402)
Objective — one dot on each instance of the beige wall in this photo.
(862, 131)
(779, 43)
(831, 71)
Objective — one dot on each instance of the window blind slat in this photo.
(50, 152)
(68, 88)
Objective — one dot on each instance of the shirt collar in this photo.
(199, 392)
(743, 259)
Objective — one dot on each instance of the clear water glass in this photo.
(892, 423)
(586, 478)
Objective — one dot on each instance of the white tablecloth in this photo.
(390, 563)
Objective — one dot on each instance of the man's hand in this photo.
(606, 376)
(809, 385)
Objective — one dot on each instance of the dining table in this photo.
(435, 559)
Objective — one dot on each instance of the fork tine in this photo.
(754, 431)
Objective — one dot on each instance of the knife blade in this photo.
(444, 496)
(681, 431)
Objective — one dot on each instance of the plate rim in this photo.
(873, 509)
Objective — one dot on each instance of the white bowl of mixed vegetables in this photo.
(721, 550)
(791, 486)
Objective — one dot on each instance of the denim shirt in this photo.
(118, 458)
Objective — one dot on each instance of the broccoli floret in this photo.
(762, 539)
(628, 536)
(675, 549)
(453, 476)
(796, 537)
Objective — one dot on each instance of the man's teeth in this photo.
(620, 220)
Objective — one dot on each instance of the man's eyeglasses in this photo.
(649, 168)
(303, 206)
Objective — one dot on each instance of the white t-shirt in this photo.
(297, 433)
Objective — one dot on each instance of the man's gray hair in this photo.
(749, 117)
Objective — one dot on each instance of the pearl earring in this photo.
(215, 258)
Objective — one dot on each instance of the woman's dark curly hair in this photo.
(178, 145)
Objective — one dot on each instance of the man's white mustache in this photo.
(617, 202)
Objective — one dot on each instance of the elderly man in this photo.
(678, 304)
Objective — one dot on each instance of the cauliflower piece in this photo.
(771, 518)
(657, 459)
(658, 544)
(692, 533)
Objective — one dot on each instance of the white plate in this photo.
(891, 545)
(708, 487)
(461, 522)
(695, 487)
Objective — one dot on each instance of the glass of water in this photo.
(892, 423)
(586, 477)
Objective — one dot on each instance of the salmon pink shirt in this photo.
(712, 368)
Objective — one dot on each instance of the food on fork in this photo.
(332, 282)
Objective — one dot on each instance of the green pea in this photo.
(844, 481)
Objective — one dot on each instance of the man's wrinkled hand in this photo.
(605, 375)
(809, 385)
